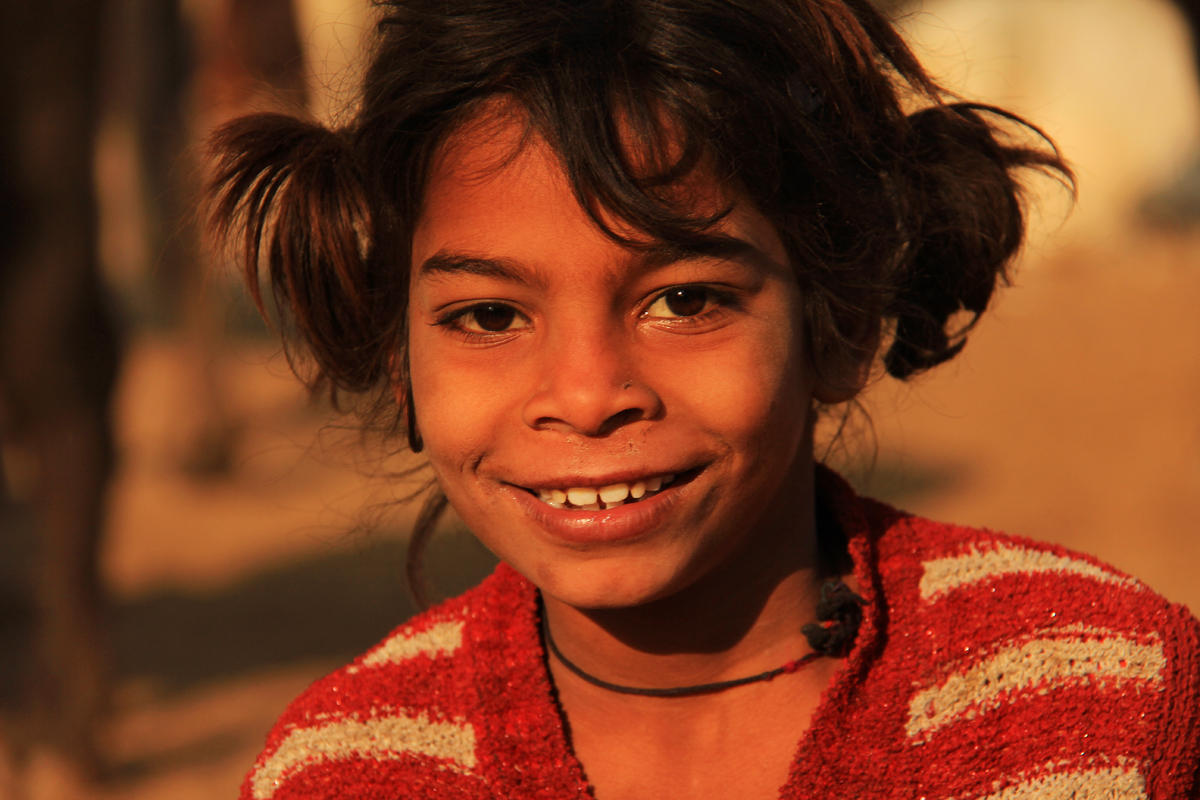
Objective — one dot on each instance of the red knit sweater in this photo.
(987, 666)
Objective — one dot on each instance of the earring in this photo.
(414, 436)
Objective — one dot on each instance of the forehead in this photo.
(494, 179)
(496, 187)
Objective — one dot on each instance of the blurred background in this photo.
(187, 540)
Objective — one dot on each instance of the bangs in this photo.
(638, 98)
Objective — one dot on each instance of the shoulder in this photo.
(402, 718)
(1053, 668)
(992, 583)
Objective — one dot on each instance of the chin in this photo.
(609, 583)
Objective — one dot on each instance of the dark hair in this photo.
(897, 204)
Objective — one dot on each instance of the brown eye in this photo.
(485, 320)
(686, 302)
(491, 317)
(682, 301)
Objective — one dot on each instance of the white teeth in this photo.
(614, 494)
(586, 498)
(581, 496)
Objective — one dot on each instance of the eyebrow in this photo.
(459, 263)
(718, 246)
(713, 245)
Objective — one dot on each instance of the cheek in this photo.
(446, 405)
(754, 390)
(466, 401)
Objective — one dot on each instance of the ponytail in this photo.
(290, 197)
(963, 219)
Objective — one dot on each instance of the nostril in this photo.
(622, 418)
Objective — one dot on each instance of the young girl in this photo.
(607, 259)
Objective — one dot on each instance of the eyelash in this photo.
(717, 301)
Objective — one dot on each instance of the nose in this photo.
(588, 383)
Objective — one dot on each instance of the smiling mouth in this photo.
(598, 498)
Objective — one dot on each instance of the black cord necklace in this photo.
(839, 607)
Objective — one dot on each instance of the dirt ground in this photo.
(1071, 416)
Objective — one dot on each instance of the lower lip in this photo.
(620, 524)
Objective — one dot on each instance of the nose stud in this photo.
(627, 385)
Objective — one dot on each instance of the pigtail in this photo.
(962, 221)
(290, 198)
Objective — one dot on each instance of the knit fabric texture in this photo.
(986, 666)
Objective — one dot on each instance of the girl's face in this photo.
(555, 372)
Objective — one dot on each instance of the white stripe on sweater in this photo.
(388, 737)
(1094, 784)
(944, 574)
(1038, 664)
(440, 639)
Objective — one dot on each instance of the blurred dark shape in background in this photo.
(66, 65)
(58, 356)
(1177, 203)
(173, 76)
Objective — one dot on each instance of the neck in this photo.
(741, 618)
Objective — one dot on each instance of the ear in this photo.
(842, 373)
